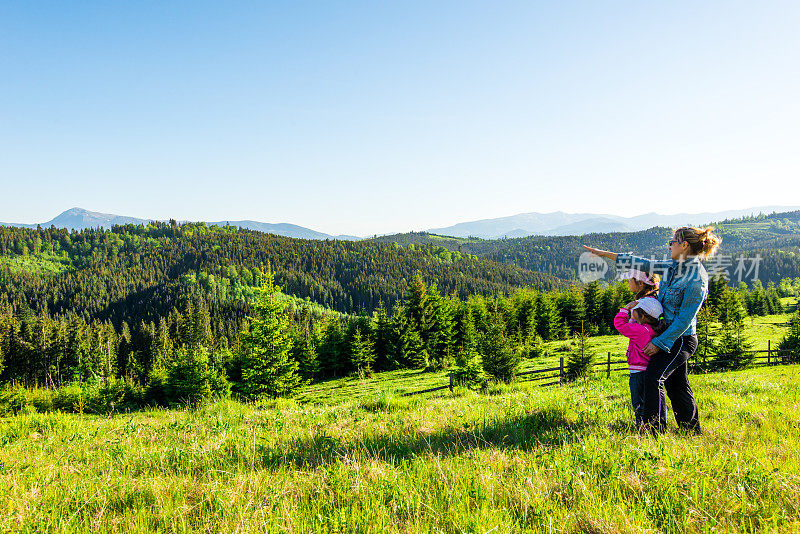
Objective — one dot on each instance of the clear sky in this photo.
(376, 117)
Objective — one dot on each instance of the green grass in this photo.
(36, 264)
(759, 330)
(521, 459)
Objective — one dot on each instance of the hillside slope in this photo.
(138, 273)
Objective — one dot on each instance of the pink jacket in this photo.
(638, 336)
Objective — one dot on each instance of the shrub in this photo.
(106, 397)
(189, 377)
(156, 390)
(13, 398)
(534, 349)
(69, 398)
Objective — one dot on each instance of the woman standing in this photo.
(683, 288)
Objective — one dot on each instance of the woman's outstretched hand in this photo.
(650, 349)
(602, 253)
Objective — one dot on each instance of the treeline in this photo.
(427, 329)
(137, 273)
(723, 344)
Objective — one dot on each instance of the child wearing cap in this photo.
(641, 283)
(639, 321)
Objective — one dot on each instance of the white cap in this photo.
(650, 306)
(637, 275)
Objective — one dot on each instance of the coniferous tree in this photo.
(548, 320)
(441, 332)
(304, 349)
(497, 357)
(581, 360)
(571, 308)
(124, 350)
(791, 341)
(409, 349)
(267, 369)
(593, 304)
(731, 344)
(469, 366)
(705, 334)
(383, 341)
(188, 377)
(362, 352)
(331, 349)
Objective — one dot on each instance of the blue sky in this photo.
(376, 117)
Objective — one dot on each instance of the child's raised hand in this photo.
(632, 304)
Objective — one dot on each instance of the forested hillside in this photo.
(775, 238)
(138, 273)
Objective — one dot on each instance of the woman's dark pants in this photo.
(671, 370)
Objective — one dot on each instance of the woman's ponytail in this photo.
(702, 241)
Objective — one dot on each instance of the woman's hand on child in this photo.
(650, 349)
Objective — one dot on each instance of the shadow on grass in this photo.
(549, 427)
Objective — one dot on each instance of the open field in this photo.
(524, 458)
(38, 264)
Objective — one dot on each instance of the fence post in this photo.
(561, 370)
(608, 366)
(451, 382)
(769, 352)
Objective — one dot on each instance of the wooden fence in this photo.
(557, 375)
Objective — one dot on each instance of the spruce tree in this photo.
(571, 309)
(593, 303)
(304, 349)
(731, 345)
(469, 366)
(705, 334)
(498, 359)
(409, 349)
(383, 341)
(188, 377)
(267, 369)
(548, 321)
(362, 352)
(581, 360)
(441, 332)
(331, 348)
(791, 341)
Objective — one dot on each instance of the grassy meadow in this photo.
(519, 459)
(758, 330)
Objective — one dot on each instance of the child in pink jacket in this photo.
(640, 322)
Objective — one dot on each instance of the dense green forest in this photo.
(774, 237)
(136, 273)
(151, 312)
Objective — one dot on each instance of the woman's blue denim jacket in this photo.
(683, 288)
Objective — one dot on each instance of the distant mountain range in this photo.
(557, 223)
(560, 223)
(80, 219)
